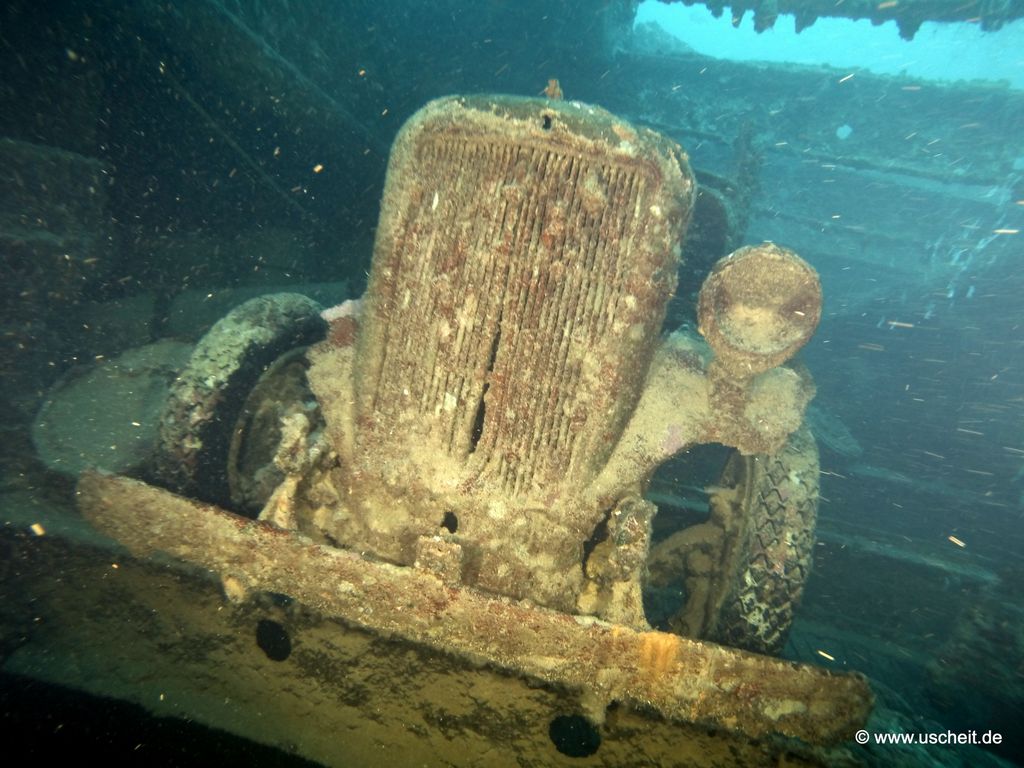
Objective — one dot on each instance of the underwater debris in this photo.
(553, 90)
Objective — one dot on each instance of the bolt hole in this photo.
(546, 124)
(450, 522)
(280, 599)
(574, 735)
(273, 640)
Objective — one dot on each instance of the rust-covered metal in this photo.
(758, 307)
(681, 679)
(526, 252)
(508, 375)
(492, 410)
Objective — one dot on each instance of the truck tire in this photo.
(745, 568)
(207, 398)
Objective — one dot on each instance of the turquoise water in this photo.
(944, 52)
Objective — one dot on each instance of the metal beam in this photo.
(682, 679)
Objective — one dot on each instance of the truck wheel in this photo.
(745, 568)
(281, 394)
(207, 399)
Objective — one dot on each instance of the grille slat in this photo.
(503, 310)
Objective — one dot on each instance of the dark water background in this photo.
(223, 146)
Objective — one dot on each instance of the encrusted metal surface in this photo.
(525, 256)
(681, 679)
(162, 636)
(526, 253)
(492, 411)
(506, 386)
(758, 307)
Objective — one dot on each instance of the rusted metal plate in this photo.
(681, 679)
(90, 617)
